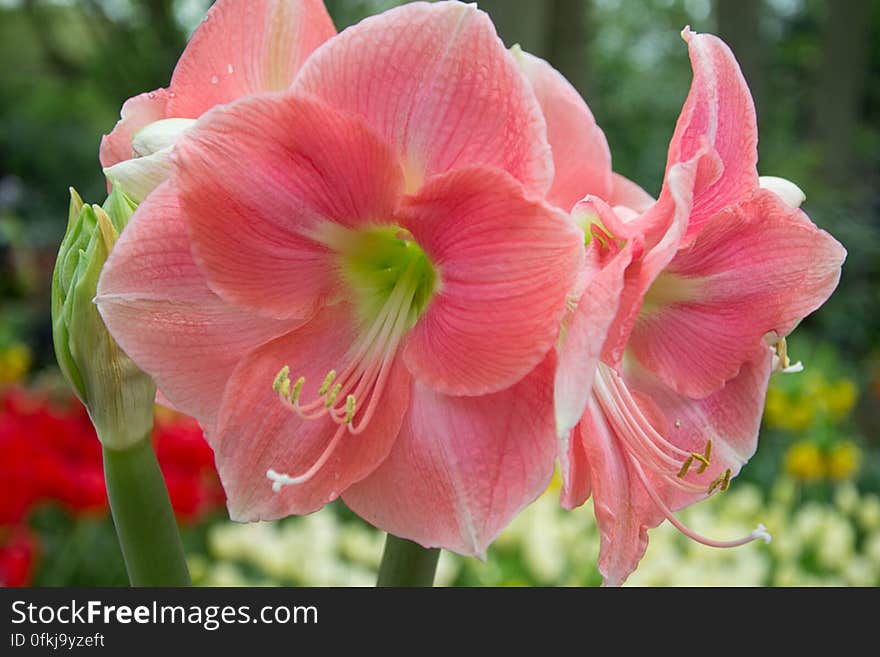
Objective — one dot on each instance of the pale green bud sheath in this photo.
(118, 396)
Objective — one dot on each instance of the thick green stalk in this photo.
(405, 563)
(143, 516)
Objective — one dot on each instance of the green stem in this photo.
(405, 563)
(143, 516)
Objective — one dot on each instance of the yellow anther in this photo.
(280, 378)
(702, 458)
(707, 455)
(328, 381)
(284, 389)
(349, 408)
(331, 398)
(297, 388)
(722, 483)
(685, 467)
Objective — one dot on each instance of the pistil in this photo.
(370, 262)
(644, 447)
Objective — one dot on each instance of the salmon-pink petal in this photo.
(719, 111)
(506, 263)
(437, 83)
(463, 467)
(620, 515)
(730, 418)
(257, 432)
(575, 469)
(137, 113)
(581, 157)
(244, 47)
(626, 193)
(661, 228)
(584, 335)
(258, 176)
(757, 267)
(157, 305)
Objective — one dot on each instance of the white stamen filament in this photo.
(341, 396)
(637, 433)
(643, 445)
(760, 532)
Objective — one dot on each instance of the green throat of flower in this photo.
(669, 289)
(390, 281)
(384, 270)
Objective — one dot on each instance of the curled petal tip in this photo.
(791, 194)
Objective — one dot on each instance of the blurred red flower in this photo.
(51, 454)
(18, 551)
(187, 462)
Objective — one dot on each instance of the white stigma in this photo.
(279, 480)
(357, 389)
(761, 532)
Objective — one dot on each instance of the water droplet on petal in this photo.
(229, 69)
(171, 94)
(151, 95)
(214, 79)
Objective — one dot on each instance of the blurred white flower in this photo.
(813, 545)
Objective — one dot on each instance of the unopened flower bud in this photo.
(118, 396)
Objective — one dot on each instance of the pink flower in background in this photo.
(242, 47)
(664, 366)
(356, 287)
(581, 157)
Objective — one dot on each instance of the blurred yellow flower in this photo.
(840, 397)
(804, 461)
(843, 460)
(15, 361)
(786, 411)
(774, 407)
(794, 406)
(555, 483)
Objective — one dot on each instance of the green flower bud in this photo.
(118, 396)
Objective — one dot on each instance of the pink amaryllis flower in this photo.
(356, 286)
(241, 47)
(581, 157)
(665, 360)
